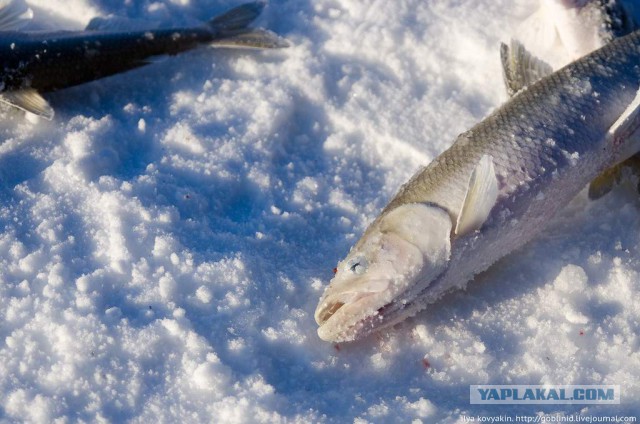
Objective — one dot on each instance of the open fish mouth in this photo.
(331, 304)
(342, 331)
(342, 319)
(341, 316)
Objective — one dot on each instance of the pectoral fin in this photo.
(520, 68)
(28, 100)
(622, 131)
(482, 194)
(605, 182)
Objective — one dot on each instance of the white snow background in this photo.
(164, 241)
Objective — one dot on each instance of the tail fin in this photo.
(233, 30)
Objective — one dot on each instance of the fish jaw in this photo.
(408, 246)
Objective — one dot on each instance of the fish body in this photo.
(491, 192)
(38, 62)
(48, 62)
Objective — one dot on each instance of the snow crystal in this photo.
(165, 239)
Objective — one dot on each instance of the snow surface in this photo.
(164, 241)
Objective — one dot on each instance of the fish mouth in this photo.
(328, 311)
(357, 329)
(345, 319)
(329, 307)
(333, 331)
(348, 316)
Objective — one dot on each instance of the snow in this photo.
(164, 241)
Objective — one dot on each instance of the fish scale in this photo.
(545, 144)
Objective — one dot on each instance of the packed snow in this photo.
(165, 239)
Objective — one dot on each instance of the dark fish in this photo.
(38, 62)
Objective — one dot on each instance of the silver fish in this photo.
(32, 63)
(492, 191)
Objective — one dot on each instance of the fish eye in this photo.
(357, 265)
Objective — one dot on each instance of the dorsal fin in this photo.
(520, 68)
(482, 193)
(14, 14)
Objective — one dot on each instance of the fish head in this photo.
(406, 246)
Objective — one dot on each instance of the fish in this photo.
(33, 63)
(493, 190)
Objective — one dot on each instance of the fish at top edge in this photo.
(32, 63)
(492, 191)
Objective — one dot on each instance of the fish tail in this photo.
(232, 29)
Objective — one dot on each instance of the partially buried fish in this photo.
(492, 191)
(32, 63)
